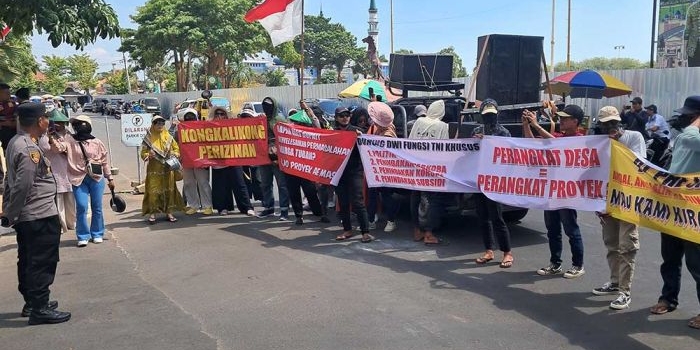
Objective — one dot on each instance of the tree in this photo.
(326, 44)
(276, 77)
(602, 63)
(289, 56)
(17, 64)
(458, 69)
(74, 22)
(118, 84)
(327, 77)
(82, 69)
(56, 73)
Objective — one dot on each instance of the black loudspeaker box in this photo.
(511, 70)
(420, 69)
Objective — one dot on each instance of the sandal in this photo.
(484, 258)
(151, 220)
(345, 236)
(366, 238)
(507, 262)
(172, 218)
(694, 322)
(661, 308)
(437, 241)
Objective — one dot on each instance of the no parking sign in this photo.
(134, 128)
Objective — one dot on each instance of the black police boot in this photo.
(46, 315)
(27, 309)
(299, 221)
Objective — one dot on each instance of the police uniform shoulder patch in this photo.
(35, 156)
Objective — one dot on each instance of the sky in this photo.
(597, 26)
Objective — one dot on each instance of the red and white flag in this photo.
(4, 30)
(281, 18)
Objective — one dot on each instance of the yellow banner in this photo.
(643, 194)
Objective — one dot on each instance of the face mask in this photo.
(490, 119)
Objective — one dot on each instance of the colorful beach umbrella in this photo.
(361, 89)
(588, 84)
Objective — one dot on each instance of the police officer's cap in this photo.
(31, 110)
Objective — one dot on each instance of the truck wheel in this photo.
(514, 215)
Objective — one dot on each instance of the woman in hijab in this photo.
(87, 170)
(162, 195)
(427, 207)
(228, 182)
(382, 124)
(360, 119)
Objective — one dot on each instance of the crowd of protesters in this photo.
(80, 167)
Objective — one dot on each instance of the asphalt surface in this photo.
(246, 283)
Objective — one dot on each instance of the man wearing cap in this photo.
(657, 128)
(570, 119)
(635, 118)
(30, 207)
(621, 238)
(490, 212)
(686, 160)
(272, 171)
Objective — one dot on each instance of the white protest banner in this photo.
(423, 165)
(134, 128)
(568, 172)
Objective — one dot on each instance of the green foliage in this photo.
(82, 69)
(458, 69)
(602, 63)
(56, 73)
(327, 44)
(118, 85)
(17, 64)
(404, 51)
(276, 77)
(327, 77)
(74, 22)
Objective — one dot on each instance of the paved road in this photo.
(240, 283)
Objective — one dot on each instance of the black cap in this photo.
(651, 108)
(31, 110)
(637, 100)
(22, 93)
(691, 106)
(341, 110)
(572, 111)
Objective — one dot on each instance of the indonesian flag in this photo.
(280, 18)
(4, 30)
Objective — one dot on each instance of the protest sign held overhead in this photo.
(545, 173)
(643, 194)
(224, 142)
(315, 154)
(422, 165)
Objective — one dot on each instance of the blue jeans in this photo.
(92, 191)
(554, 219)
(267, 173)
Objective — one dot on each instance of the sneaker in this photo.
(390, 226)
(574, 272)
(299, 221)
(207, 211)
(97, 240)
(266, 212)
(607, 289)
(223, 212)
(190, 210)
(284, 218)
(372, 225)
(82, 243)
(250, 212)
(622, 302)
(552, 269)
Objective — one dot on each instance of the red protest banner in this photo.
(224, 142)
(316, 154)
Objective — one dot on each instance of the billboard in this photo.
(678, 44)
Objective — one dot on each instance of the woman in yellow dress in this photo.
(162, 195)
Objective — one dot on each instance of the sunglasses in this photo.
(343, 116)
(219, 113)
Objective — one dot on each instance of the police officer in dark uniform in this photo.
(30, 208)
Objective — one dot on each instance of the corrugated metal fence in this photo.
(666, 88)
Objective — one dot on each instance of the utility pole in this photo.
(568, 41)
(653, 34)
(391, 20)
(126, 72)
(551, 54)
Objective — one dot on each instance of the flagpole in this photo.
(301, 82)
